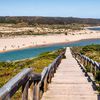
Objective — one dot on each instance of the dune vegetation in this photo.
(91, 51)
(10, 69)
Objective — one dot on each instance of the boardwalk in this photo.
(69, 82)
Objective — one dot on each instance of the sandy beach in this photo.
(19, 42)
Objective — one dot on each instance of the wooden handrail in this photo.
(33, 85)
(86, 61)
(13, 85)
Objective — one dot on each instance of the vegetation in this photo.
(12, 26)
(49, 20)
(92, 51)
(41, 29)
(10, 69)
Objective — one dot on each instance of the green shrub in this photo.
(91, 51)
(87, 68)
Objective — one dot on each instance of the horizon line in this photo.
(49, 16)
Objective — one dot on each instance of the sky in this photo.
(52, 8)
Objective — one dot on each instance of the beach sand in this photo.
(19, 42)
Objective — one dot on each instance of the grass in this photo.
(87, 68)
(92, 51)
(10, 69)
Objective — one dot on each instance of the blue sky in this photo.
(59, 8)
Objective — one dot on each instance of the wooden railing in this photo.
(87, 62)
(33, 85)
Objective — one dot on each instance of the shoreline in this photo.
(46, 45)
(24, 42)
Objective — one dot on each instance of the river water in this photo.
(33, 52)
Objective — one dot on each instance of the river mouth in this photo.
(35, 51)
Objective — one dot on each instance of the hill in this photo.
(48, 20)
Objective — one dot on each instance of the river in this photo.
(33, 52)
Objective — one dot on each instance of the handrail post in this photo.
(25, 91)
(30, 92)
(45, 84)
(35, 87)
(91, 67)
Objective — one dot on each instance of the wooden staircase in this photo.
(63, 79)
(69, 82)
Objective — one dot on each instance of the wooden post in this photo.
(25, 91)
(55, 68)
(91, 67)
(53, 72)
(30, 92)
(81, 60)
(45, 84)
(36, 92)
(84, 62)
(96, 65)
(95, 70)
(49, 77)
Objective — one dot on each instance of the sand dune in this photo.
(18, 42)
